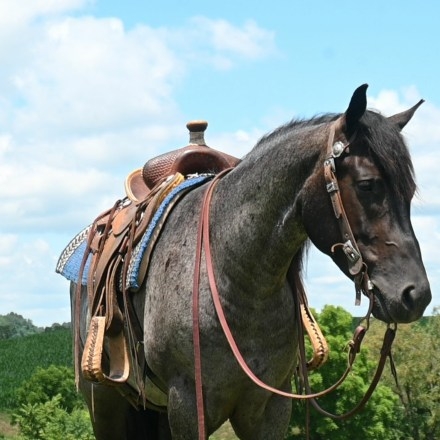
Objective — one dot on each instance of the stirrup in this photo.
(91, 363)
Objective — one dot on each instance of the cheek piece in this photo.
(356, 265)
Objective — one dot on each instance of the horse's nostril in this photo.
(408, 297)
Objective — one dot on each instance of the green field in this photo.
(19, 358)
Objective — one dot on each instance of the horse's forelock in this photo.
(390, 153)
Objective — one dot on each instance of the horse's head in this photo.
(370, 185)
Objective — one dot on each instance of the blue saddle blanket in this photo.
(71, 258)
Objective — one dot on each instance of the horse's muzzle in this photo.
(404, 307)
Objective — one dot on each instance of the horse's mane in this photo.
(296, 271)
(297, 124)
(383, 139)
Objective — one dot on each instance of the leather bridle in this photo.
(357, 268)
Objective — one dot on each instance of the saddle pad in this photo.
(70, 260)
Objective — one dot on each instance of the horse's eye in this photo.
(366, 185)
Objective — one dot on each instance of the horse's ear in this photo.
(401, 119)
(356, 108)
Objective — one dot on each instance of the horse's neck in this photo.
(257, 226)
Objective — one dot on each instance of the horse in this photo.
(263, 214)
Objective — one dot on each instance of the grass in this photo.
(7, 431)
(225, 432)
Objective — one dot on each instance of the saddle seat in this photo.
(196, 157)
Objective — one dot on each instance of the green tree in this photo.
(380, 418)
(47, 383)
(50, 408)
(20, 357)
(50, 421)
(418, 371)
(13, 325)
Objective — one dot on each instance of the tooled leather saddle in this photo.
(112, 352)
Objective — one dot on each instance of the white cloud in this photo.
(29, 285)
(8, 243)
(422, 135)
(236, 143)
(90, 95)
(83, 101)
(5, 144)
(90, 74)
(15, 13)
(249, 41)
(84, 75)
(19, 30)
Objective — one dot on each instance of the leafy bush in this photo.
(46, 383)
(50, 407)
(49, 421)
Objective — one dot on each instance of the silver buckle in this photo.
(332, 187)
(331, 163)
(350, 251)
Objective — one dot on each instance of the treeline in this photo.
(409, 409)
(14, 325)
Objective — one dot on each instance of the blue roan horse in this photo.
(262, 215)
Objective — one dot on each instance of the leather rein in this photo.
(357, 268)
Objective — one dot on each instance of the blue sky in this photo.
(89, 90)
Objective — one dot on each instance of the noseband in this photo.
(357, 268)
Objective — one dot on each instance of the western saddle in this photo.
(113, 351)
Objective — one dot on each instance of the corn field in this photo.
(19, 357)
